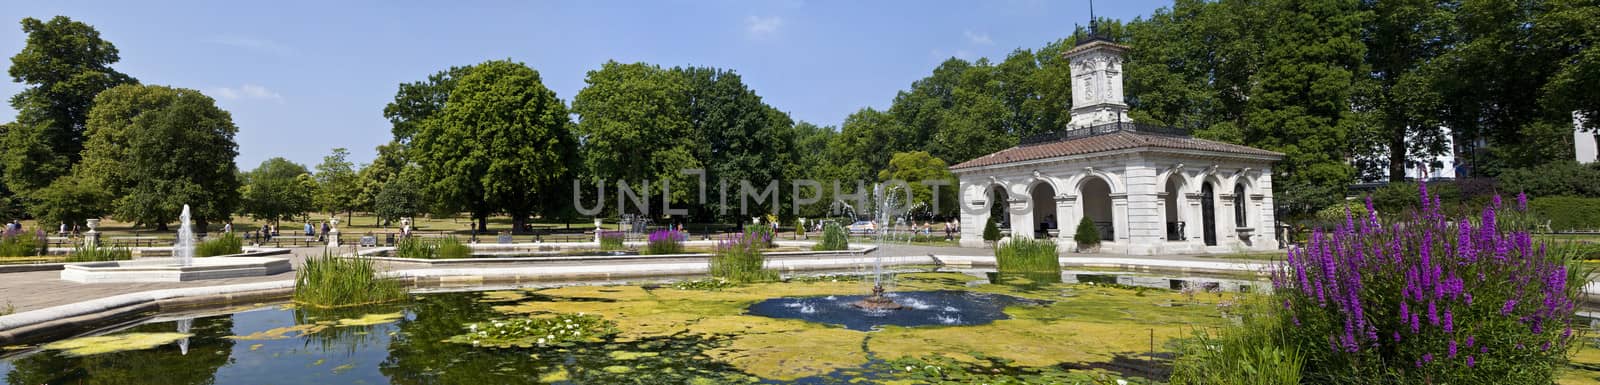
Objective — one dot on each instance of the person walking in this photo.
(63, 230)
(325, 230)
(309, 231)
(227, 227)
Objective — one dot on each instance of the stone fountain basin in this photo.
(167, 269)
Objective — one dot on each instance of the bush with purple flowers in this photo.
(665, 242)
(1429, 299)
(739, 258)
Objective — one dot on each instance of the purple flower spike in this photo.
(1522, 201)
(1471, 361)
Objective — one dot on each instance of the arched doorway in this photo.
(1208, 212)
(1043, 198)
(999, 209)
(1174, 217)
(1095, 194)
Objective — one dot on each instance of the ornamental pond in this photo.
(957, 328)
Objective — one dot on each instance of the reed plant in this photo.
(414, 248)
(452, 248)
(665, 242)
(99, 254)
(739, 259)
(612, 240)
(330, 281)
(226, 244)
(834, 237)
(1024, 255)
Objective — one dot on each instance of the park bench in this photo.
(369, 240)
(293, 239)
(58, 241)
(134, 241)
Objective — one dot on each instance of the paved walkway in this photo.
(42, 289)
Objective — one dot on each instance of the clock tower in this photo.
(1096, 82)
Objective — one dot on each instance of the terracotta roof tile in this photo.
(1120, 140)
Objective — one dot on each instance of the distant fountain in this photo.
(183, 249)
(886, 205)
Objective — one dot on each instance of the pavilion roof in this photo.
(1108, 138)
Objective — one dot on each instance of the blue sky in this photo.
(302, 77)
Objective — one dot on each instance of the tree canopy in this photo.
(278, 190)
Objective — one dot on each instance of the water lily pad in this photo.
(559, 375)
(624, 355)
(86, 346)
(792, 355)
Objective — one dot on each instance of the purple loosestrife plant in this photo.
(739, 258)
(665, 242)
(1426, 282)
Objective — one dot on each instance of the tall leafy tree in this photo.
(277, 190)
(65, 63)
(497, 146)
(157, 148)
(1300, 104)
(416, 101)
(920, 169)
(745, 139)
(1402, 35)
(338, 187)
(635, 123)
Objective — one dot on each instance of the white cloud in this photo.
(978, 38)
(259, 45)
(758, 26)
(248, 92)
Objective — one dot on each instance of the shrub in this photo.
(20, 244)
(834, 237)
(329, 281)
(739, 259)
(665, 242)
(452, 248)
(1024, 255)
(1560, 178)
(226, 244)
(761, 232)
(611, 240)
(1568, 213)
(1086, 233)
(991, 231)
(99, 254)
(1428, 301)
(1336, 213)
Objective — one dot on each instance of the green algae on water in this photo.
(86, 346)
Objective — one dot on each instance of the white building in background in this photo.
(1428, 167)
(1147, 189)
(1585, 143)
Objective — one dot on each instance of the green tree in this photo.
(400, 197)
(1402, 35)
(277, 190)
(636, 127)
(338, 188)
(918, 167)
(66, 64)
(745, 139)
(417, 101)
(157, 148)
(498, 145)
(1300, 104)
(71, 199)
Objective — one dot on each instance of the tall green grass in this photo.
(226, 244)
(99, 254)
(739, 259)
(447, 248)
(21, 244)
(452, 248)
(330, 281)
(1251, 353)
(762, 232)
(611, 240)
(834, 237)
(1024, 255)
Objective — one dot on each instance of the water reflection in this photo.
(161, 365)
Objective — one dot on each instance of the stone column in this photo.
(1119, 217)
